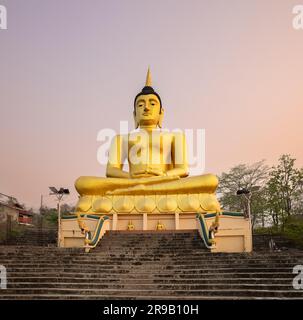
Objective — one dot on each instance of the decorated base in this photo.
(234, 231)
(138, 204)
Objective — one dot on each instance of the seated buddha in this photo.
(157, 159)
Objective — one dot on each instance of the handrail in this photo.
(92, 241)
(205, 233)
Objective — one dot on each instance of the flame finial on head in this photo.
(148, 82)
(148, 89)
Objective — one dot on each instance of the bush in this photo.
(274, 230)
(50, 218)
(293, 229)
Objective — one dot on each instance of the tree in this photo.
(66, 208)
(284, 189)
(251, 177)
(50, 215)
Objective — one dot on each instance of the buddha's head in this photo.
(148, 110)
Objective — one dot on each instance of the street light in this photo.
(59, 195)
(246, 195)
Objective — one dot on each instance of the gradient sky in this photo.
(69, 68)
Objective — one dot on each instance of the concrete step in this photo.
(123, 269)
(256, 296)
(150, 286)
(141, 275)
(146, 264)
(147, 292)
(144, 255)
(151, 280)
(28, 250)
(149, 257)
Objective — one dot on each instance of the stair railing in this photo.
(208, 234)
(90, 241)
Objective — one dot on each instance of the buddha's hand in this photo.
(154, 180)
(143, 173)
(156, 172)
(127, 191)
(138, 174)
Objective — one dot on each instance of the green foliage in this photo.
(49, 216)
(250, 177)
(284, 190)
(276, 193)
(16, 232)
(274, 230)
(65, 208)
(52, 217)
(2, 235)
(293, 229)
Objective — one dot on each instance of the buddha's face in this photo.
(147, 109)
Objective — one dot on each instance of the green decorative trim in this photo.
(94, 217)
(69, 217)
(224, 213)
(233, 214)
(209, 215)
(94, 241)
(204, 230)
(206, 215)
(74, 216)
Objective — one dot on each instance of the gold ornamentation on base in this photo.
(145, 203)
(102, 204)
(84, 204)
(160, 226)
(188, 202)
(130, 226)
(167, 203)
(123, 204)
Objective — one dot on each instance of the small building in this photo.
(9, 206)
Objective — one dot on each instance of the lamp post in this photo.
(59, 195)
(246, 196)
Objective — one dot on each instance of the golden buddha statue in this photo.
(155, 193)
(157, 162)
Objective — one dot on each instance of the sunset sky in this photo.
(69, 68)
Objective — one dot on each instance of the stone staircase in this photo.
(34, 237)
(148, 265)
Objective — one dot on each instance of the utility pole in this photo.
(41, 204)
(41, 216)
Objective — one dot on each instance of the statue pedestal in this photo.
(234, 234)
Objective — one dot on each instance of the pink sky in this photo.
(69, 68)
